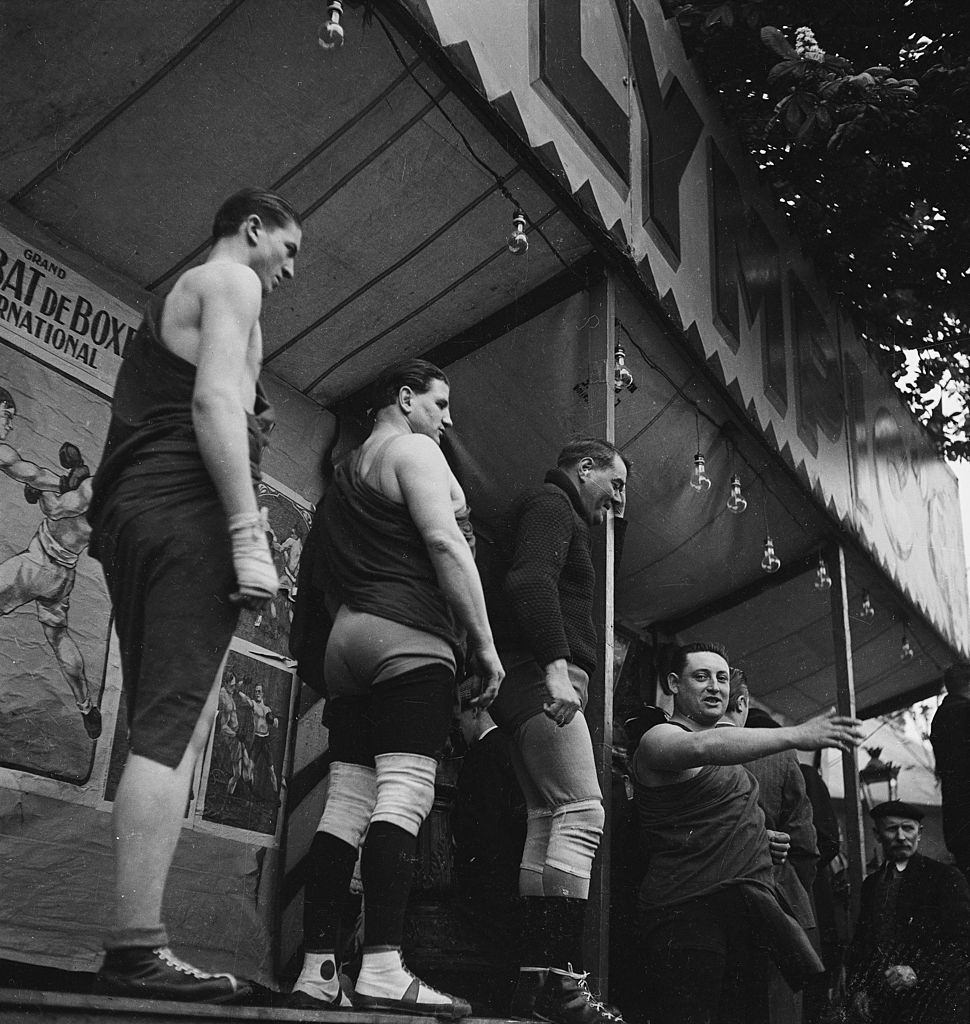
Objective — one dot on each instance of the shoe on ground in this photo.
(565, 998)
(333, 990)
(450, 1008)
(142, 973)
(92, 722)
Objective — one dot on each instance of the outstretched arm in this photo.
(669, 748)
(26, 472)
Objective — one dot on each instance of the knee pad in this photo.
(405, 789)
(351, 796)
(575, 836)
(538, 826)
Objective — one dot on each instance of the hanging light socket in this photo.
(518, 241)
(622, 377)
(866, 611)
(699, 479)
(736, 502)
(331, 34)
(822, 579)
(770, 562)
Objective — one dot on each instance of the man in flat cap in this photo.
(909, 960)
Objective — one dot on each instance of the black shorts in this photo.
(169, 573)
(408, 714)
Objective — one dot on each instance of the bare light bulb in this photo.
(822, 579)
(699, 479)
(866, 611)
(737, 502)
(622, 377)
(518, 241)
(770, 562)
(331, 34)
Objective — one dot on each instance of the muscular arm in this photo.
(231, 297)
(669, 748)
(25, 472)
(425, 482)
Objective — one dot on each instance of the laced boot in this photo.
(565, 998)
(158, 974)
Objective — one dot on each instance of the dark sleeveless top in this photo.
(372, 558)
(700, 835)
(151, 457)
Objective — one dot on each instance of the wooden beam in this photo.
(845, 702)
(601, 341)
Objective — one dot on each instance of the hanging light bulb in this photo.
(770, 562)
(622, 377)
(822, 579)
(866, 611)
(737, 502)
(699, 479)
(518, 241)
(331, 34)
(906, 652)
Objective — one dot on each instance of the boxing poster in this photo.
(54, 607)
(244, 768)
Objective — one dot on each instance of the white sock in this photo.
(320, 978)
(382, 974)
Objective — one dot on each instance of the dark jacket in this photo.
(782, 797)
(930, 933)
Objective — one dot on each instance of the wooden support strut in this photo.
(601, 340)
(845, 702)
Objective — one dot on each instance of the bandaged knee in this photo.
(351, 797)
(538, 825)
(405, 789)
(574, 837)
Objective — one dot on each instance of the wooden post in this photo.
(601, 341)
(845, 702)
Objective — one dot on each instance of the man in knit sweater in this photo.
(549, 656)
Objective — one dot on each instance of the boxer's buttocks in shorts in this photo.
(365, 649)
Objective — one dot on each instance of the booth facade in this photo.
(408, 152)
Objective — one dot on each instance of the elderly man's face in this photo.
(899, 837)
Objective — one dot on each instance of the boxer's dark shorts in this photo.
(169, 572)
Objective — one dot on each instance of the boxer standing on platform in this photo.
(390, 548)
(177, 531)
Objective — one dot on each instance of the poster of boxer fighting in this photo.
(54, 607)
(245, 762)
(286, 519)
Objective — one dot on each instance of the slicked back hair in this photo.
(601, 452)
(271, 209)
(7, 399)
(416, 374)
(679, 655)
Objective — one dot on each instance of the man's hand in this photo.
(563, 704)
(489, 674)
(900, 978)
(828, 730)
(255, 572)
(779, 843)
(71, 459)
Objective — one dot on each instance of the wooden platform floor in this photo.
(28, 1006)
